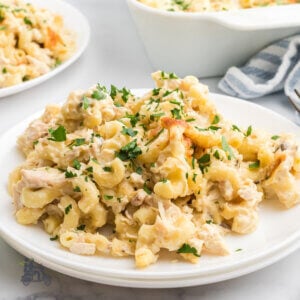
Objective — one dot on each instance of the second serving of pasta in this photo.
(33, 41)
(164, 171)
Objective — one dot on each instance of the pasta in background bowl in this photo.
(165, 170)
(38, 39)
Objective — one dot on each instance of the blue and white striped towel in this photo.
(275, 68)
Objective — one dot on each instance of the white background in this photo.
(115, 55)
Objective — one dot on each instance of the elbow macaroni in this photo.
(164, 171)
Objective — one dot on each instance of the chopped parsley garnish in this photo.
(175, 102)
(68, 208)
(164, 180)
(194, 177)
(27, 21)
(108, 197)
(76, 164)
(216, 120)
(81, 227)
(217, 154)
(249, 131)
(190, 120)
(35, 143)
(125, 94)
(54, 238)
(157, 115)
(99, 93)
(182, 4)
(89, 169)
(146, 189)
(77, 189)
(214, 128)
(129, 151)
(129, 131)
(234, 127)
(155, 92)
(176, 113)
(113, 92)
(254, 165)
(155, 137)
(77, 142)
(139, 170)
(70, 174)
(133, 118)
(204, 159)
(85, 103)
(4, 70)
(227, 148)
(186, 248)
(209, 221)
(58, 62)
(25, 78)
(107, 169)
(275, 137)
(168, 76)
(58, 135)
(238, 250)
(193, 162)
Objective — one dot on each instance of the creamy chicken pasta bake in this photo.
(32, 42)
(212, 5)
(162, 171)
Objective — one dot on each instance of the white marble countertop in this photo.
(116, 55)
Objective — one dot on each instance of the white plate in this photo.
(73, 20)
(277, 233)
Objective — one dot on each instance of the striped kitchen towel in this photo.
(274, 68)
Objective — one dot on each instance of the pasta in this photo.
(211, 5)
(32, 42)
(112, 173)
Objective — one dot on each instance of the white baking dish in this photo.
(207, 44)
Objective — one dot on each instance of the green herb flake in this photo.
(146, 189)
(155, 92)
(164, 180)
(27, 21)
(216, 154)
(214, 128)
(238, 250)
(76, 164)
(77, 142)
(193, 162)
(216, 120)
(235, 128)
(58, 135)
(249, 131)
(204, 159)
(155, 137)
(186, 248)
(133, 118)
(4, 70)
(85, 103)
(129, 151)
(139, 170)
(275, 137)
(190, 120)
(54, 238)
(254, 165)
(108, 197)
(81, 227)
(194, 177)
(70, 174)
(227, 148)
(129, 131)
(209, 222)
(68, 208)
(107, 169)
(77, 189)
(99, 93)
(176, 113)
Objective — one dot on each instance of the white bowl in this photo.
(207, 44)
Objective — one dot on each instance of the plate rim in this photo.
(179, 274)
(80, 49)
